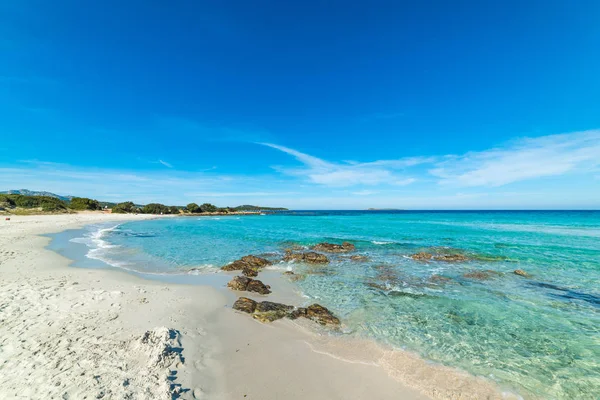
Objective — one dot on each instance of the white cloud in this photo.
(522, 159)
(349, 174)
(166, 164)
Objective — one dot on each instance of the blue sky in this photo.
(417, 105)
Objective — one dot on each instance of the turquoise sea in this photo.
(537, 336)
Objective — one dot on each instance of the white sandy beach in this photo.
(74, 333)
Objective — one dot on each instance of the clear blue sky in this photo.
(337, 104)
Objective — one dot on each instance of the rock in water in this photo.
(422, 256)
(310, 257)
(256, 262)
(359, 258)
(248, 284)
(321, 315)
(249, 265)
(334, 248)
(520, 272)
(451, 258)
(481, 275)
(245, 304)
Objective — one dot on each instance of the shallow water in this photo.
(538, 336)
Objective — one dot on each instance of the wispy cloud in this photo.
(166, 164)
(523, 159)
(327, 173)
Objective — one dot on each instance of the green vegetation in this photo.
(157, 208)
(193, 208)
(247, 207)
(46, 203)
(30, 204)
(83, 203)
(207, 207)
(125, 208)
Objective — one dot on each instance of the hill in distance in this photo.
(27, 192)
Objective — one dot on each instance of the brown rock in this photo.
(245, 304)
(267, 311)
(297, 313)
(237, 265)
(257, 286)
(256, 262)
(250, 271)
(239, 283)
(248, 284)
(309, 257)
(520, 272)
(268, 316)
(265, 306)
(422, 256)
(288, 273)
(249, 265)
(334, 248)
(321, 315)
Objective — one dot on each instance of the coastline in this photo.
(225, 355)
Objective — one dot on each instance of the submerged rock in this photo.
(359, 258)
(249, 265)
(334, 248)
(243, 283)
(451, 258)
(309, 257)
(520, 272)
(422, 256)
(245, 304)
(481, 275)
(439, 279)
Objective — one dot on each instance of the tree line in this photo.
(53, 204)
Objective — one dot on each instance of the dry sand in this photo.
(73, 333)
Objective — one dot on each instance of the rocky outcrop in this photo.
(245, 304)
(249, 265)
(520, 272)
(334, 248)
(243, 283)
(268, 311)
(321, 315)
(309, 257)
